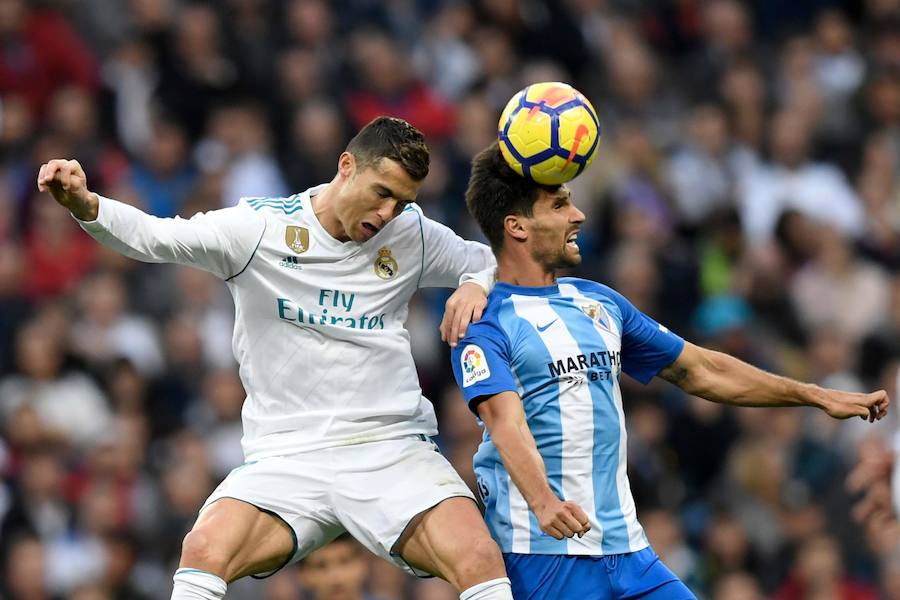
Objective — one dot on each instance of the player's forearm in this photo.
(725, 379)
(197, 242)
(130, 231)
(523, 462)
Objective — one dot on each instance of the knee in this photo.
(198, 551)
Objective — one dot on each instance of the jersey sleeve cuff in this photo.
(485, 279)
(479, 396)
(100, 223)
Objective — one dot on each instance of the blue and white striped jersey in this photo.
(562, 348)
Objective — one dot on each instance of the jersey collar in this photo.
(509, 289)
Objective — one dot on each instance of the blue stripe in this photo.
(606, 436)
(189, 570)
(541, 411)
(259, 205)
(287, 200)
(285, 204)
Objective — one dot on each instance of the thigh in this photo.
(283, 510)
(239, 539)
(452, 541)
(556, 577)
(384, 490)
(642, 576)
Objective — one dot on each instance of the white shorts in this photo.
(371, 490)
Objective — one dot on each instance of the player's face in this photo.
(373, 196)
(335, 572)
(554, 229)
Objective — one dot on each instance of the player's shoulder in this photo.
(598, 291)
(411, 218)
(406, 229)
(489, 326)
(591, 288)
(489, 323)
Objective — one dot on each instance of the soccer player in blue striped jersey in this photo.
(541, 371)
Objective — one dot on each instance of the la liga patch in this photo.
(474, 365)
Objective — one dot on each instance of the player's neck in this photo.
(524, 271)
(323, 209)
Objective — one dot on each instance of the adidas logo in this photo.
(290, 262)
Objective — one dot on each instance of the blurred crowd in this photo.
(746, 194)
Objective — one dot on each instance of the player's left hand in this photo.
(844, 405)
(463, 307)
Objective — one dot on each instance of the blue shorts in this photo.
(633, 576)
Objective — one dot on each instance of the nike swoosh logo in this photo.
(544, 328)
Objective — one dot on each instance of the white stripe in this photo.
(576, 409)
(519, 518)
(613, 341)
(636, 538)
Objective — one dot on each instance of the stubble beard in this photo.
(553, 260)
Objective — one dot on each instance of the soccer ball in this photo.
(548, 132)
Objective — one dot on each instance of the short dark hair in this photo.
(389, 137)
(495, 191)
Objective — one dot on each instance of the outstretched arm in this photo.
(221, 241)
(725, 379)
(505, 420)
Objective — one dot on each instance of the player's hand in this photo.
(844, 405)
(562, 519)
(67, 183)
(871, 479)
(463, 307)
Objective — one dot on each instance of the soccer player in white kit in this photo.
(335, 424)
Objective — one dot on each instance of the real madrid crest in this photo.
(385, 265)
(297, 238)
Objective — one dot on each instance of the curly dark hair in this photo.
(389, 137)
(495, 191)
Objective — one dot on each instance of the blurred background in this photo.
(746, 194)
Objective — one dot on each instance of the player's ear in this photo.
(346, 165)
(514, 226)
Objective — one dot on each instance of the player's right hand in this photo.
(844, 405)
(563, 519)
(67, 183)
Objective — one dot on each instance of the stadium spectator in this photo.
(336, 571)
(792, 180)
(69, 406)
(24, 570)
(387, 85)
(41, 54)
(105, 331)
(835, 279)
(165, 177)
(819, 572)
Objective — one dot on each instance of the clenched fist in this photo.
(67, 183)
(562, 519)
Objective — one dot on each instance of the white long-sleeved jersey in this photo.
(319, 324)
